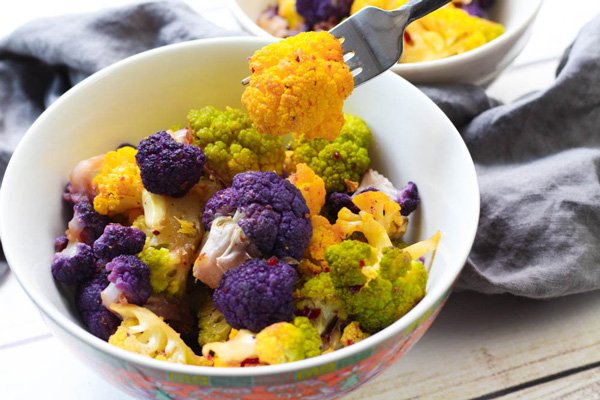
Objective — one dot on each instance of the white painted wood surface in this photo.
(481, 347)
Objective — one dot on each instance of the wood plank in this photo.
(47, 370)
(583, 385)
(482, 344)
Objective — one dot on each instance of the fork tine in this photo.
(363, 63)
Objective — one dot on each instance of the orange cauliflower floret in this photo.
(298, 86)
(324, 235)
(118, 185)
(311, 186)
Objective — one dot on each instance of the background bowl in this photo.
(479, 66)
(136, 97)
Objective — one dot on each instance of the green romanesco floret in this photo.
(318, 299)
(286, 342)
(353, 334)
(145, 333)
(232, 145)
(375, 286)
(165, 274)
(212, 326)
(339, 162)
(355, 130)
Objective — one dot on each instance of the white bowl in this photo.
(413, 140)
(478, 66)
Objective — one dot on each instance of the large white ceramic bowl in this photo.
(478, 66)
(413, 140)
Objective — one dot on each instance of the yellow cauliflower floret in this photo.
(311, 186)
(287, 10)
(298, 85)
(324, 235)
(385, 210)
(365, 223)
(284, 342)
(145, 333)
(118, 185)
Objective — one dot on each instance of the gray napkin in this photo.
(44, 58)
(537, 159)
(538, 163)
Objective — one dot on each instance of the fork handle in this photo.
(420, 8)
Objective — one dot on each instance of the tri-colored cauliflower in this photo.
(215, 235)
(298, 86)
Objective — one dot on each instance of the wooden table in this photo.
(480, 347)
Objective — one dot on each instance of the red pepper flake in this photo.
(361, 263)
(156, 232)
(408, 38)
(297, 58)
(337, 155)
(250, 362)
(272, 261)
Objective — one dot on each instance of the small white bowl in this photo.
(478, 66)
(413, 140)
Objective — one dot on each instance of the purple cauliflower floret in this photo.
(97, 318)
(117, 240)
(60, 243)
(129, 277)
(476, 7)
(168, 167)
(74, 264)
(337, 201)
(273, 213)
(319, 11)
(408, 198)
(86, 225)
(256, 294)
(71, 197)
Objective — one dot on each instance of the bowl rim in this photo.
(251, 26)
(431, 300)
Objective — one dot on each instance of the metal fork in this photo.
(373, 38)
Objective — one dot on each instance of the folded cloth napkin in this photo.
(537, 158)
(538, 164)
